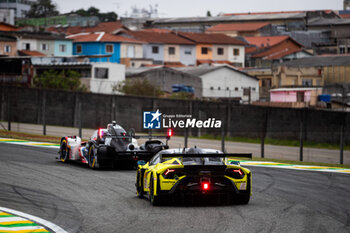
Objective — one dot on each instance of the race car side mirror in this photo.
(141, 162)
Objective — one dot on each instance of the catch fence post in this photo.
(8, 112)
(44, 112)
(80, 120)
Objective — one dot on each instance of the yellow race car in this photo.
(185, 174)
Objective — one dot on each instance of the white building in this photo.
(105, 75)
(20, 7)
(225, 82)
(98, 77)
(7, 16)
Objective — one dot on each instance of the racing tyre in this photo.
(139, 189)
(93, 158)
(242, 200)
(64, 151)
(155, 201)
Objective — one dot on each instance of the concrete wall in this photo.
(12, 44)
(200, 56)
(171, 57)
(69, 48)
(137, 50)
(157, 57)
(50, 47)
(188, 54)
(98, 110)
(21, 44)
(236, 59)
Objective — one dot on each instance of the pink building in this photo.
(293, 95)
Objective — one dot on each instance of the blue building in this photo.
(105, 47)
(63, 48)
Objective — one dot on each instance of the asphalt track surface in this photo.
(82, 200)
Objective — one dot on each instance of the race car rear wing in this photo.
(209, 155)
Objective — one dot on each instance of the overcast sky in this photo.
(188, 8)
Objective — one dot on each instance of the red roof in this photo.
(269, 55)
(267, 47)
(7, 27)
(159, 37)
(345, 16)
(203, 38)
(31, 53)
(101, 37)
(108, 27)
(266, 41)
(173, 64)
(242, 27)
(160, 30)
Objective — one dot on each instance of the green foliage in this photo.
(208, 14)
(42, 8)
(138, 87)
(93, 11)
(69, 80)
(181, 96)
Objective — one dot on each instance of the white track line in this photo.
(41, 221)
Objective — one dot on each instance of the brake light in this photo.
(238, 171)
(235, 173)
(168, 171)
(170, 133)
(100, 133)
(205, 186)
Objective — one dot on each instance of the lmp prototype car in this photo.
(110, 147)
(182, 175)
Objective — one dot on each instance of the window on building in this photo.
(44, 47)
(307, 82)
(342, 50)
(109, 48)
(220, 51)
(348, 49)
(219, 88)
(79, 48)
(155, 49)
(188, 52)
(236, 52)
(204, 50)
(254, 89)
(7, 49)
(26, 46)
(236, 88)
(131, 51)
(227, 88)
(171, 51)
(101, 73)
(211, 88)
(62, 48)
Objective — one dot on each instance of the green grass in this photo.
(301, 163)
(277, 142)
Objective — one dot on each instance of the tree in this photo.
(69, 80)
(93, 11)
(140, 87)
(42, 8)
(208, 14)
